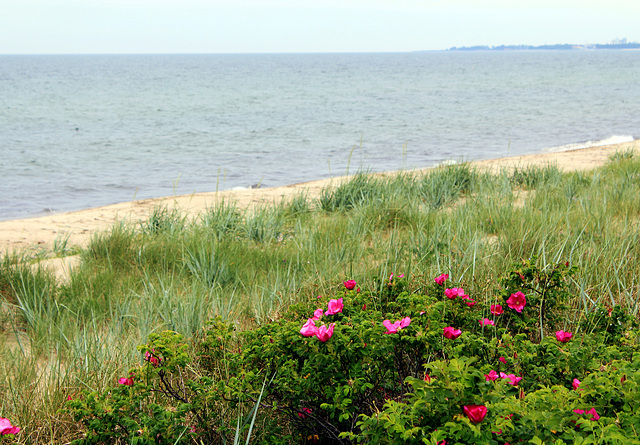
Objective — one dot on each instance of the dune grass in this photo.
(247, 266)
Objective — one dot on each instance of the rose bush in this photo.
(386, 366)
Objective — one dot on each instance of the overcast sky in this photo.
(256, 26)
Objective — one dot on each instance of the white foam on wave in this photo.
(577, 146)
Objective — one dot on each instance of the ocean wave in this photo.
(589, 144)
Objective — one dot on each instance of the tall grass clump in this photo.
(223, 219)
(164, 220)
(531, 177)
(446, 183)
(263, 225)
(361, 188)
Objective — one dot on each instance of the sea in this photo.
(83, 131)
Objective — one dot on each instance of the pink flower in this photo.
(317, 314)
(427, 378)
(393, 328)
(350, 284)
(492, 376)
(513, 380)
(469, 301)
(592, 411)
(440, 279)
(575, 384)
(335, 306)
(126, 381)
(594, 414)
(475, 413)
(496, 309)
(517, 301)
(399, 276)
(7, 428)
(486, 322)
(149, 357)
(451, 332)
(309, 329)
(324, 333)
(563, 337)
(454, 292)
(303, 412)
(503, 360)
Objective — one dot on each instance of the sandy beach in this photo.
(77, 227)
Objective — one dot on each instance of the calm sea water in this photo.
(84, 131)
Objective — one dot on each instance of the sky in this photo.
(285, 26)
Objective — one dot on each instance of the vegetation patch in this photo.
(394, 309)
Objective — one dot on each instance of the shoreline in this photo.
(76, 228)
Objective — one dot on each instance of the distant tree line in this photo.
(563, 46)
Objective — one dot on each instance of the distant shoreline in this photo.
(554, 47)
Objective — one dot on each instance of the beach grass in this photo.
(248, 265)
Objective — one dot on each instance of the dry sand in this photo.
(77, 227)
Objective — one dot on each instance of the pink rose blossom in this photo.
(149, 357)
(393, 328)
(317, 314)
(440, 279)
(454, 292)
(451, 332)
(592, 411)
(513, 380)
(7, 428)
(475, 413)
(469, 301)
(309, 329)
(350, 284)
(486, 322)
(503, 360)
(563, 337)
(126, 381)
(496, 309)
(303, 412)
(594, 414)
(335, 306)
(517, 301)
(492, 376)
(575, 384)
(324, 333)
